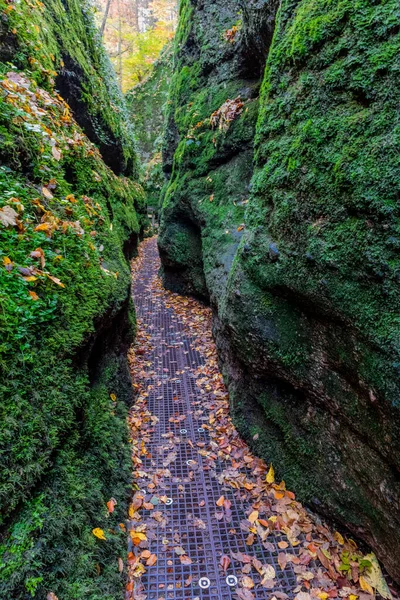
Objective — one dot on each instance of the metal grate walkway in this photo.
(199, 539)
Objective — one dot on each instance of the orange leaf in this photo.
(220, 501)
(34, 295)
(111, 504)
(151, 561)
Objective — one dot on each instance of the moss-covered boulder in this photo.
(68, 226)
(305, 287)
(208, 148)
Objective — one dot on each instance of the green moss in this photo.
(64, 287)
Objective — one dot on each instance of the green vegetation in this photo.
(147, 104)
(68, 225)
(135, 33)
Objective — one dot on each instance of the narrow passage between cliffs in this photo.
(208, 520)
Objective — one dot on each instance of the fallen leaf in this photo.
(269, 572)
(120, 565)
(185, 560)
(270, 478)
(247, 582)
(99, 533)
(8, 216)
(253, 516)
(220, 501)
(55, 280)
(339, 538)
(47, 193)
(111, 504)
(51, 596)
(137, 537)
(225, 562)
(282, 560)
(151, 561)
(56, 153)
(8, 264)
(365, 586)
(374, 577)
(38, 253)
(33, 295)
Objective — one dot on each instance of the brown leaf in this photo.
(282, 560)
(55, 280)
(47, 193)
(225, 562)
(39, 254)
(247, 582)
(120, 565)
(51, 596)
(56, 153)
(151, 561)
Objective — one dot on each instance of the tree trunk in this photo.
(135, 6)
(104, 22)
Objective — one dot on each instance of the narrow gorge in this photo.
(265, 140)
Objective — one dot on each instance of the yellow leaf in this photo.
(323, 595)
(253, 516)
(270, 475)
(365, 586)
(137, 537)
(353, 597)
(99, 533)
(113, 397)
(339, 538)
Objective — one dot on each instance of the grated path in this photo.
(196, 521)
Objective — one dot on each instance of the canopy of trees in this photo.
(134, 33)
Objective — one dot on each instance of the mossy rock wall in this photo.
(305, 285)
(68, 227)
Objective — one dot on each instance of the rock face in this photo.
(68, 226)
(302, 265)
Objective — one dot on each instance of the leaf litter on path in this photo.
(325, 563)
